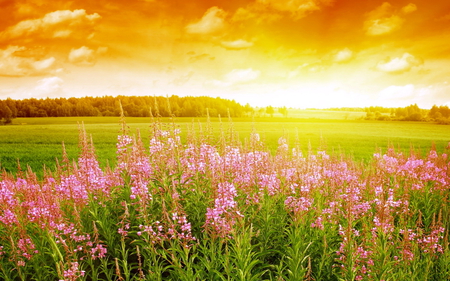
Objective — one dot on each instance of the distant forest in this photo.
(135, 106)
(146, 106)
(439, 114)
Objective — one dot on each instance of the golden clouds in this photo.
(297, 8)
(213, 21)
(58, 24)
(237, 44)
(385, 19)
(343, 55)
(272, 10)
(399, 65)
(224, 46)
(85, 56)
(384, 25)
(409, 8)
(22, 59)
(16, 61)
(214, 26)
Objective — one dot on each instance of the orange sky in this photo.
(298, 53)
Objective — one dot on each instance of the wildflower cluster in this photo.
(380, 221)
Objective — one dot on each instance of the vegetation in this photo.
(141, 106)
(144, 106)
(437, 114)
(213, 208)
(38, 141)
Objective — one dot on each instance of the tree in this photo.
(6, 114)
(248, 110)
(283, 111)
(270, 110)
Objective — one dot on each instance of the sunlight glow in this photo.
(285, 53)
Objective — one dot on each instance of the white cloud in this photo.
(315, 67)
(399, 65)
(385, 19)
(425, 96)
(409, 8)
(236, 76)
(397, 92)
(242, 75)
(237, 44)
(58, 24)
(12, 64)
(343, 55)
(213, 21)
(44, 64)
(47, 87)
(83, 56)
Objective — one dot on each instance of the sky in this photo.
(294, 53)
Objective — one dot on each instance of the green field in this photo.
(38, 141)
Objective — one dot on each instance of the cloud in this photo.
(397, 92)
(102, 50)
(272, 10)
(193, 57)
(236, 76)
(305, 68)
(424, 95)
(83, 56)
(385, 19)
(384, 25)
(399, 65)
(409, 8)
(242, 75)
(297, 8)
(236, 45)
(243, 14)
(183, 79)
(51, 86)
(257, 13)
(43, 65)
(343, 55)
(213, 21)
(14, 62)
(58, 24)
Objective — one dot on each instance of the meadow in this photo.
(237, 200)
(38, 141)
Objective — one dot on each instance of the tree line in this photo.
(134, 106)
(146, 106)
(439, 114)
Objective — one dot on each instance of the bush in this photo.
(443, 121)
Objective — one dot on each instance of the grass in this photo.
(38, 141)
